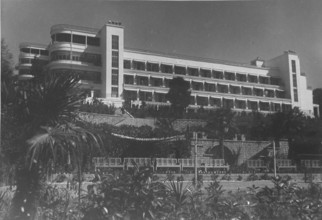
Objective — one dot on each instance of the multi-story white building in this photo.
(117, 74)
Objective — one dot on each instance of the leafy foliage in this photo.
(97, 106)
(179, 95)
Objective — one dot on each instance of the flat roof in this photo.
(192, 58)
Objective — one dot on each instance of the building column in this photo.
(92, 93)
(134, 79)
(153, 98)
(203, 85)
(149, 80)
(208, 100)
(138, 94)
(195, 99)
(258, 108)
(163, 81)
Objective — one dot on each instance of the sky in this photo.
(236, 31)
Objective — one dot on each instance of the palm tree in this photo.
(221, 125)
(47, 113)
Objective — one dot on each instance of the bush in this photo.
(252, 177)
(239, 178)
(97, 106)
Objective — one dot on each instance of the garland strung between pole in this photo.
(172, 138)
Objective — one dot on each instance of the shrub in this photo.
(252, 177)
(97, 106)
(239, 178)
(226, 177)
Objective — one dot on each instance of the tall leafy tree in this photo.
(222, 125)
(179, 95)
(46, 111)
(286, 124)
(7, 68)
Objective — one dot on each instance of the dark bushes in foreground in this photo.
(137, 194)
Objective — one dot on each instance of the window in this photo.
(222, 88)
(218, 74)
(128, 79)
(115, 77)
(166, 68)
(229, 76)
(241, 104)
(115, 80)
(210, 87)
(263, 80)
(154, 67)
(252, 79)
(25, 50)
(203, 101)
(180, 70)
(115, 59)
(205, 73)
(246, 91)
(25, 60)
(79, 39)
(264, 106)
(44, 52)
(252, 105)
(234, 89)
(34, 51)
(127, 64)
(296, 97)
(138, 65)
(258, 92)
(115, 42)
(241, 77)
(197, 86)
(115, 92)
(93, 41)
(143, 81)
(280, 94)
(228, 103)
(60, 55)
(294, 80)
(293, 66)
(193, 71)
(63, 37)
(269, 93)
(157, 82)
(160, 97)
(215, 102)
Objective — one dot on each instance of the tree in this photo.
(179, 95)
(317, 98)
(6, 73)
(47, 115)
(222, 125)
(286, 124)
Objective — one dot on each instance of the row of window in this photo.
(94, 59)
(115, 66)
(204, 101)
(209, 87)
(75, 38)
(34, 51)
(180, 70)
(31, 60)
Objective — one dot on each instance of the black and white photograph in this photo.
(161, 110)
